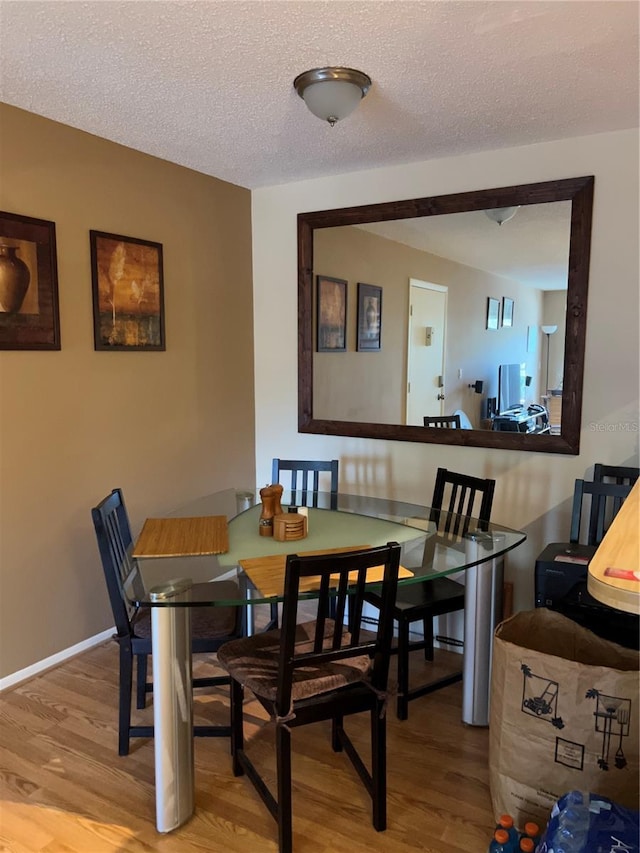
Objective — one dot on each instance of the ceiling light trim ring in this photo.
(342, 73)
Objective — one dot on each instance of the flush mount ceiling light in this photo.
(332, 93)
(502, 214)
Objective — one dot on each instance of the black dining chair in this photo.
(317, 670)
(442, 421)
(458, 499)
(620, 474)
(605, 502)
(305, 481)
(211, 626)
(561, 569)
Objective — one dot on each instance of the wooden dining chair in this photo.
(305, 480)
(211, 626)
(458, 500)
(305, 484)
(442, 422)
(606, 500)
(313, 671)
(621, 474)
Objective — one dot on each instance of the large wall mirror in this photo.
(469, 307)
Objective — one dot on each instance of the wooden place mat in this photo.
(183, 537)
(267, 573)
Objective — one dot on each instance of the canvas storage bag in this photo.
(564, 716)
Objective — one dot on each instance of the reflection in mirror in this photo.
(439, 262)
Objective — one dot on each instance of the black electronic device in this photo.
(561, 585)
(510, 388)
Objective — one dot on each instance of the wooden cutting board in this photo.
(267, 573)
(183, 537)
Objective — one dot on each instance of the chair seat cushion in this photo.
(214, 622)
(253, 661)
(207, 623)
(141, 623)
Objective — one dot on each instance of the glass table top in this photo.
(433, 545)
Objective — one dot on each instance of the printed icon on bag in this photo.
(540, 697)
(612, 720)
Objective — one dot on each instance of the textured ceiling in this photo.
(208, 84)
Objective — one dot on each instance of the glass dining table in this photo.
(182, 557)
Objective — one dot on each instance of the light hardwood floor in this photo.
(64, 789)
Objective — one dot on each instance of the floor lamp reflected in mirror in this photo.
(548, 331)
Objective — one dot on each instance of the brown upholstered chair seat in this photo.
(253, 662)
(206, 622)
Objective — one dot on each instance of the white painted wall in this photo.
(534, 490)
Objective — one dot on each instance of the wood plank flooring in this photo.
(64, 789)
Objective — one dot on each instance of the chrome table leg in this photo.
(172, 705)
(482, 612)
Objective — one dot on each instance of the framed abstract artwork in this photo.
(493, 313)
(507, 311)
(331, 309)
(128, 293)
(369, 318)
(29, 314)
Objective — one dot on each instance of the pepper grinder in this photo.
(278, 489)
(270, 501)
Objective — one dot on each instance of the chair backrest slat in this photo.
(306, 488)
(339, 644)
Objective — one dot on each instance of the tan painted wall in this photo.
(76, 423)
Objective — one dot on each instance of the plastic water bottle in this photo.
(506, 822)
(573, 825)
(500, 842)
(526, 845)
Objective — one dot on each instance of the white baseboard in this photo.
(54, 660)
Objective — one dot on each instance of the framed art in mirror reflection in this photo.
(369, 317)
(493, 313)
(331, 295)
(507, 311)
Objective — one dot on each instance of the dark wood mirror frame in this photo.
(577, 190)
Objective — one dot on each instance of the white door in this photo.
(425, 358)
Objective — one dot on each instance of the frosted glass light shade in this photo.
(333, 99)
(502, 214)
(332, 94)
(549, 330)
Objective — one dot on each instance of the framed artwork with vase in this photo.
(29, 314)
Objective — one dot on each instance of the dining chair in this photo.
(458, 500)
(561, 568)
(444, 421)
(305, 479)
(621, 474)
(606, 500)
(211, 626)
(304, 483)
(317, 670)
